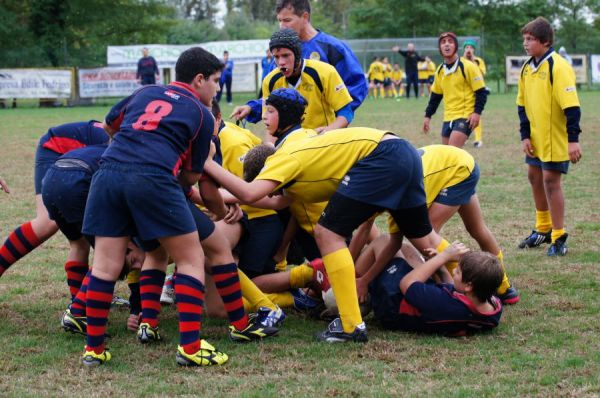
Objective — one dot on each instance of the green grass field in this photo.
(547, 345)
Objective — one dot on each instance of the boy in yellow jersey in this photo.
(328, 98)
(360, 171)
(376, 77)
(469, 48)
(397, 76)
(549, 114)
(450, 176)
(423, 75)
(387, 78)
(460, 84)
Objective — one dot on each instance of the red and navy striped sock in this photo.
(77, 306)
(76, 271)
(189, 293)
(228, 285)
(20, 242)
(98, 298)
(151, 284)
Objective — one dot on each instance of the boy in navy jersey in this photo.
(157, 131)
(56, 142)
(404, 298)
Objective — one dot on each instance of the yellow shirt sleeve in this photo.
(474, 76)
(336, 92)
(436, 87)
(564, 88)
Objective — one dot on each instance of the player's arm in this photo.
(276, 202)
(288, 234)
(4, 186)
(209, 192)
(480, 101)
(425, 271)
(432, 106)
(573, 115)
(114, 118)
(246, 192)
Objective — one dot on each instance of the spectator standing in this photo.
(147, 69)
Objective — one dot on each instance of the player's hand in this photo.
(4, 186)
(574, 153)
(133, 322)
(321, 130)
(240, 112)
(455, 251)
(527, 147)
(396, 49)
(426, 122)
(474, 120)
(234, 213)
(362, 289)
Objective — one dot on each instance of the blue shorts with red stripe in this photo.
(136, 200)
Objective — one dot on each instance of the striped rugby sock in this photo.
(20, 242)
(151, 284)
(76, 271)
(189, 293)
(98, 298)
(228, 285)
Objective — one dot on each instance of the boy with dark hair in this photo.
(460, 84)
(318, 45)
(549, 114)
(404, 298)
(157, 131)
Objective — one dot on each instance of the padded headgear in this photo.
(470, 42)
(287, 38)
(290, 105)
(450, 35)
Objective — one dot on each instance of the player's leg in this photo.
(556, 204)
(76, 266)
(478, 135)
(151, 281)
(439, 214)
(458, 138)
(228, 87)
(543, 223)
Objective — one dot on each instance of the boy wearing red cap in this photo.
(460, 84)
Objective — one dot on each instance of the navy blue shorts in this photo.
(136, 200)
(460, 194)
(461, 125)
(390, 177)
(259, 243)
(65, 192)
(204, 225)
(563, 167)
(44, 159)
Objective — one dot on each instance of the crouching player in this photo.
(359, 171)
(404, 298)
(135, 192)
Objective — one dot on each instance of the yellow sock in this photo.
(340, 269)
(557, 233)
(450, 265)
(543, 223)
(255, 297)
(382, 95)
(395, 91)
(284, 300)
(401, 92)
(133, 276)
(281, 266)
(300, 276)
(478, 132)
(505, 282)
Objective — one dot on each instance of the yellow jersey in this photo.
(387, 71)
(458, 85)
(311, 169)
(422, 67)
(376, 71)
(397, 75)
(431, 69)
(235, 142)
(545, 91)
(481, 64)
(321, 86)
(443, 167)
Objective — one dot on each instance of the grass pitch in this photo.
(547, 345)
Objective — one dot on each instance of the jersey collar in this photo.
(285, 135)
(185, 86)
(449, 69)
(299, 77)
(496, 303)
(535, 66)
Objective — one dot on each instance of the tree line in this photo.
(39, 33)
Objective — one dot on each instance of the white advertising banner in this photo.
(243, 79)
(595, 64)
(35, 83)
(167, 54)
(514, 65)
(107, 82)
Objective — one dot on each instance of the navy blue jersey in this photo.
(328, 49)
(90, 156)
(427, 307)
(66, 137)
(162, 126)
(146, 67)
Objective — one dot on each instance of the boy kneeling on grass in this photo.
(408, 299)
